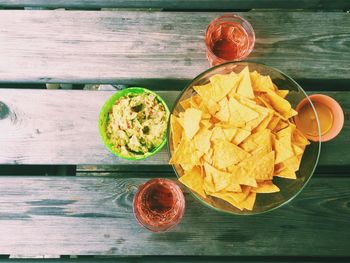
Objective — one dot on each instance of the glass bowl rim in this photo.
(245, 213)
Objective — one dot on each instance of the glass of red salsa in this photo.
(229, 37)
(159, 204)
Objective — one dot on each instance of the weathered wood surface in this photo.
(60, 127)
(173, 259)
(93, 216)
(184, 4)
(136, 47)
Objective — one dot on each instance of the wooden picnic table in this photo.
(159, 45)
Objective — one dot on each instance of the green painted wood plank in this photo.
(175, 4)
(144, 47)
(93, 216)
(60, 127)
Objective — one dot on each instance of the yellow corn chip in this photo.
(240, 136)
(194, 180)
(226, 154)
(248, 203)
(207, 157)
(273, 123)
(191, 121)
(257, 140)
(287, 173)
(279, 104)
(259, 167)
(224, 113)
(240, 176)
(208, 184)
(261, 83)
(175, 130)
(212, 107)
(202, 140)
(221, 179)
(280, 125)
(217, 134)
(230, 133)
(204, 91)
(222, 84)
(240, 114)
(299, 139)
(292, 163)
(186, 154)
(282, 93)
(266, 187)
(245, 86)
(227, 196)
(283, 148)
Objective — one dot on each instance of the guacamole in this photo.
(137, 124)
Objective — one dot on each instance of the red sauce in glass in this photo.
(159, 204)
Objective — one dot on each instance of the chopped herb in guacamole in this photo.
(137, 124)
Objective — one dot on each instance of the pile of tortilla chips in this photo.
(234, 136)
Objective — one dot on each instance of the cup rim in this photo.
(337, 112)
(243, 20)
(181, 203)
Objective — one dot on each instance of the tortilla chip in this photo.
(292, 163)
(229, 133)
(217, 134)
(296, 149)
(224, 113)
(208, 184)
(266, 187)
(207, 157)
(240, 136)
(257, 140)
(262, 111)
(194, 180)
(286, 173)
(259, 167)
(261, 83)
(222, 84)
(299, 138)
(240, 114)
(186, 154)
(212, 107)
(282, 93)
(249, 202)
(245, 86)
(175, 130)
(204, 91)
(227, 196)
(226, 154)
(283, 148)
(279, 104)
(202, 140)
(240, 176)
(273, 123)
(221, 179)
(191, 121)
(280, 125)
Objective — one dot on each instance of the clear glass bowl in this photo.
(288, 188)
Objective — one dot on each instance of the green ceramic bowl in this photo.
(103, 120)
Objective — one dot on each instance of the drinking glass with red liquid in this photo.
(228, 37)
(159, 204)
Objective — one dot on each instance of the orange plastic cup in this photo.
(337, 112)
